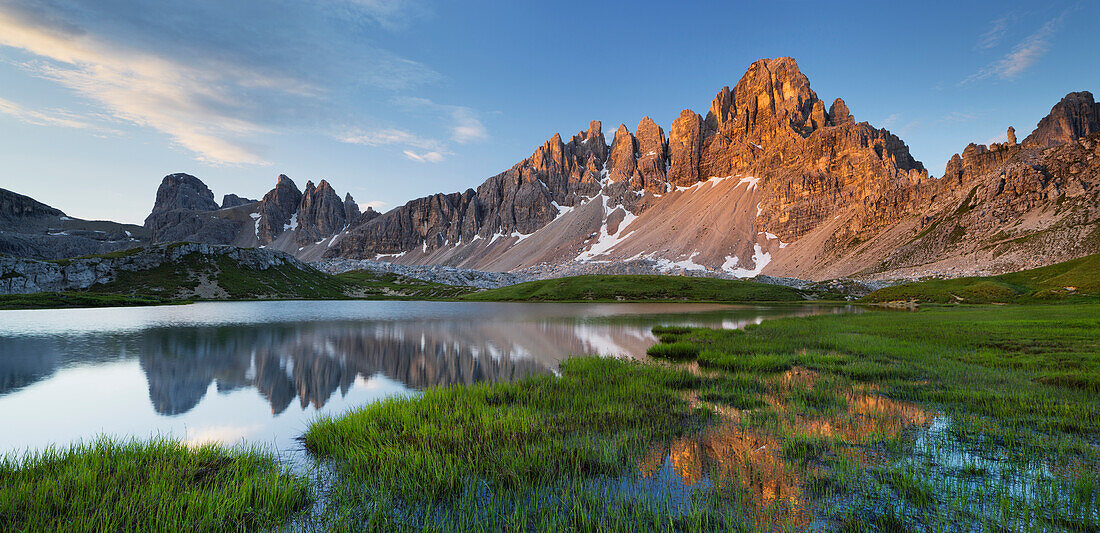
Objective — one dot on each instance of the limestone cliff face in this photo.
(685, 147)
(14, 207)
(520, 200)
(1076, 116)
(771, 125)
(321, 214)
(277, 210)
(810, 163)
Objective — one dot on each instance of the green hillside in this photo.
(640, 288)
(1076, 280)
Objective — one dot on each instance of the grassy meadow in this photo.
(946, 419)
(159, 485)
(639, 288)
(1071, 281)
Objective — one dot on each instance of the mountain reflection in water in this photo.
(204, 369)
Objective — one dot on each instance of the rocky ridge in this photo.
(29, 228)
(24, 276)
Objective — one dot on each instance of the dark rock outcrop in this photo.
(278, 210)
(351, 210)
(182, 191)
(183, 212)
(1076, 116)
(321, 214)
(15, 206)
(232, 200)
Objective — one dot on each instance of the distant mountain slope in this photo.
(302, 223)
(29, 228)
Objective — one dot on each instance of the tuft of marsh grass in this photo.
(676, 351)
(591, 421)
(159, 485)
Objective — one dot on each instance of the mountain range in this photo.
(770, 180)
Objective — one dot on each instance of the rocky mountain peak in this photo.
(652, 157)
(773, 94)
(277, 209)
(721, 110)
(685, 146)
(232, 200)
(621, 162)
(183, 191)
(1076, 115)
(351, 210)
(321, 213)
(15, 206)
(839, 114)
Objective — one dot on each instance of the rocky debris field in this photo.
(447, 275)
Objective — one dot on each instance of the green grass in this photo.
(1076, 280)
(59, 300)
(640, 288)
(592, 421)
(830, 405)
(674, 350)
(147, 486)
(386, 285)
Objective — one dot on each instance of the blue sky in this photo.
(394, 99)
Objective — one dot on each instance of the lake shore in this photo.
(854, 422)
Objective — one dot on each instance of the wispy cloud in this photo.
(413, 146)
(461, 124)
(209, 74)
(377, 205)
(385, 137)
(425, 157)
(996, 33)
(1025, 54)
(467, 127)
(389, 14)
(464, 124)
(52, 117)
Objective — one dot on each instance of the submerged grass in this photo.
(158, 485)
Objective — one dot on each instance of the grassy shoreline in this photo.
(155, 288)
(157, 485)
(875, 421)
(982, 417)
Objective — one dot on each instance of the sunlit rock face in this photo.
(829, 195)
(1076, 116)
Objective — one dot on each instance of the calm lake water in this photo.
(258, 372)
